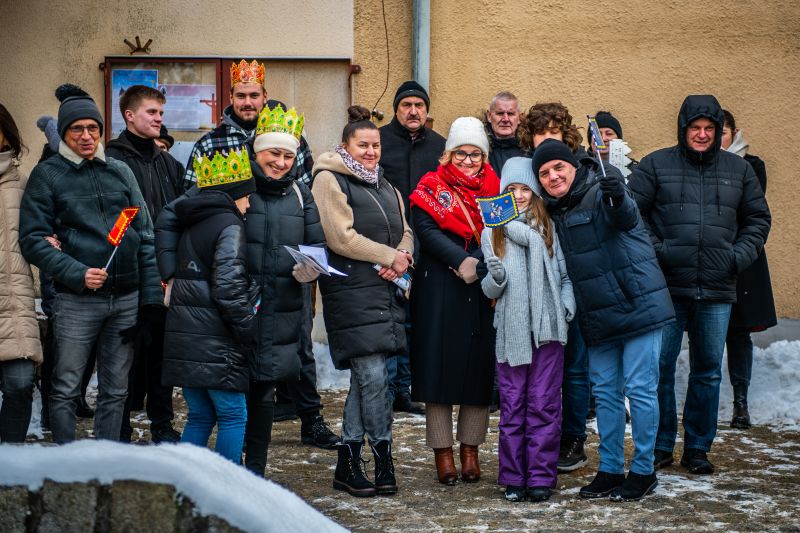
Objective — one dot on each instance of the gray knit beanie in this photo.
(76, 104)
(519, 170)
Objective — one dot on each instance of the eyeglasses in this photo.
(461, 155)
(93, 129)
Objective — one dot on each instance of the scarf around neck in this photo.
(358, 170)
(437, 191)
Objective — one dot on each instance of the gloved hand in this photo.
(304, 273)
(140, 334)
(613, 189)
(495, 267)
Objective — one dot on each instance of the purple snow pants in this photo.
(530, 418)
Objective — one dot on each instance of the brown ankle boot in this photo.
(445, 465)
(470, 467)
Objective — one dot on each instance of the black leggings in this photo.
(260, 405)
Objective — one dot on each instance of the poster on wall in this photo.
(189, 107)
(121, 79)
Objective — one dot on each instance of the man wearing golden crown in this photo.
(248, 98)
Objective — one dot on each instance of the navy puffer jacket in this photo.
(618, 286)
(705, 211)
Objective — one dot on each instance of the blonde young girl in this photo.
(528, 278)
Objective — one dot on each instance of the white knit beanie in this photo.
(276, 139)
(467, 130)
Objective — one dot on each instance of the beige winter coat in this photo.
(19, 330)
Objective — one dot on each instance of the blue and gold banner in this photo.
(498, 210)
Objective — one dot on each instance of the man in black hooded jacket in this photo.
(708, 221)
(160, 178)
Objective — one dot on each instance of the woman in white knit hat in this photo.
(452, 348)
(282, 212)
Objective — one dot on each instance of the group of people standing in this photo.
(586, 293)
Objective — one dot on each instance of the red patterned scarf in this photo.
(435, 194)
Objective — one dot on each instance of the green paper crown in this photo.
(279, 121)
(221, 170)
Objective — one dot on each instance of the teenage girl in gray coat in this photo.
(528, 277)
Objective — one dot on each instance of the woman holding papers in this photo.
(282, 212)
(528, 277)
(365, 225)
(452, 355)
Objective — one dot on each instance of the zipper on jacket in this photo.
(699, 293)
(112, 276)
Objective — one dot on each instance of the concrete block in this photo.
(68, 507)
(13, 509)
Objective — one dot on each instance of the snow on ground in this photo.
(215, 485)
(773, 395)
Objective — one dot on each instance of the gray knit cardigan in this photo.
(534, 297)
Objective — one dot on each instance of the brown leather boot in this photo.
(470, 467)
(445, 465)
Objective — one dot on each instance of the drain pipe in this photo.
(422, 42)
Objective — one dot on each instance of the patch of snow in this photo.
(774, 388)
(328, 378)
(214, 484)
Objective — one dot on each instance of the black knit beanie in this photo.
(411, 88)
(235, 190)
(76, 104)
(550, 150)
(607, 120)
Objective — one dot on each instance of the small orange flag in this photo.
(121, 225)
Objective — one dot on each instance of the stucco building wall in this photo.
(44, 44)
(636, 59)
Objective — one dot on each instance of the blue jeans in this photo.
(367, 409)
(619, 369)
(209, 407)
(16, 383)
(707, 324)
(399, 367)
(80, 321)
(575, 391)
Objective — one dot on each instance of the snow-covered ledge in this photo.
(216, 487)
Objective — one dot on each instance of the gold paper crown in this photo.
(246, 72)
(222, 170)
(279, 121)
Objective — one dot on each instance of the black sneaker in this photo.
(403, 404)
(635, 487)
(315, 431)
(284, 411)
(164, 433)
(515, 494)
(662, 459)
(571, 455)
(602, 485)
(696, 461)
(538, 494)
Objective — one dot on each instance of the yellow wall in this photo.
(636, 59)
(46, 43)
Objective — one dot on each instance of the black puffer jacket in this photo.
(211, 318)
(705, 211)
(277, 217)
